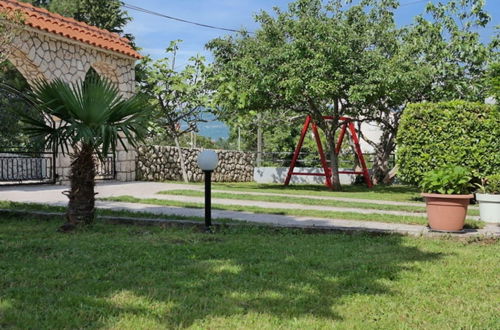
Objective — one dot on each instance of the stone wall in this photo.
(122, 164)
(125, 162)
(278, 175)
(40, 55)
(161, 163)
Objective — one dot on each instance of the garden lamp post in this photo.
(207, 161)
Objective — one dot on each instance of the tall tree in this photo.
(440, 57)
(179, 97)
(493, 82)
(339, 60)
(310, 59)
(105, 14)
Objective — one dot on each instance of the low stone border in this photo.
(467, 234)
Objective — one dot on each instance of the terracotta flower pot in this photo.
(446, 212)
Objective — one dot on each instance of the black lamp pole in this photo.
(208, 200)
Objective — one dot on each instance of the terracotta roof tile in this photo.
(70, 28)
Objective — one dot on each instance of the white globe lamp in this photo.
(207, 161)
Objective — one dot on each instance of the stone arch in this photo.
(106, 71)
(12, 135)
(91, 73)
(25, 66)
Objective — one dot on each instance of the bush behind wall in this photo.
(432, 135)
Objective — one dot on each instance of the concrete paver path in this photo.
(150, 190)
(328, 198)
(52, 195)
(277, 205)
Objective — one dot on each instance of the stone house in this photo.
(51, 46)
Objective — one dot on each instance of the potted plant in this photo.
(447, 195)
(489, 199)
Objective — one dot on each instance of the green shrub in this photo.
(447, 180)
(491, 185)
(433, 135)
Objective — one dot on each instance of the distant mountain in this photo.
(213, 128)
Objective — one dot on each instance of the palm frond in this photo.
(93, 113)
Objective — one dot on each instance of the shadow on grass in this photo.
(107, 275)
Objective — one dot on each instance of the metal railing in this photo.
(308, 159)
(27, 167)
(106, 170)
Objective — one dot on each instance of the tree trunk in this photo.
(81, 206)
(383, 152)
(330, 136)
(181, 160)
(389, 178)
(334, 159)
(259, 141)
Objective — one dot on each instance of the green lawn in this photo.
(130, 277)
(305, 201)
(379, 192)
(295, 200)
(407, 219)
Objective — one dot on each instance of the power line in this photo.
(147, 11)
(413, 3)
(151, 12)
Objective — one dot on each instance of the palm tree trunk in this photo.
(81, 206)
(383, 153)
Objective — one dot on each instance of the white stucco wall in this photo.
(278, 175)
(372, 132)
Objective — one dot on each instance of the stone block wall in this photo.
(39, 55)
(125, 162)
(161, 163)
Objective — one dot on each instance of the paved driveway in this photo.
(52, 195)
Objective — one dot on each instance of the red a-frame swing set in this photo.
(346, 124)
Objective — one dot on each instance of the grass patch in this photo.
(128, 277)
(399, 193)
(418, 220)
(295, 200)
(305, 201)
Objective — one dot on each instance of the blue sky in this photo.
(153, 33)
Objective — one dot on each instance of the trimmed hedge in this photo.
(433, 135)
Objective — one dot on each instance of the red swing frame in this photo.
(346, 124)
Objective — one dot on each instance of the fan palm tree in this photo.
(85, 120)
